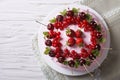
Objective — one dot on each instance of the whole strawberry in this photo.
(71, 42)
(70, 33)
(79, 42)
(78, 33)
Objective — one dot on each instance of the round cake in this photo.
(74, 38)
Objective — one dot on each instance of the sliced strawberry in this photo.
(78, 33)
(79, 42)
(71, 42)
(70, 33)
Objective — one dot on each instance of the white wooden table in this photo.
(17, 28)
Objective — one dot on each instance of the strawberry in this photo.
(70, 33)
(78, 33)
(71, 42)
(79, 42)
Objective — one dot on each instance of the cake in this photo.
(74, 39)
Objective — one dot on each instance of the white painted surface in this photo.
(17, 28)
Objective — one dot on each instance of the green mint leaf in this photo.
(102, 40)
(63, 12)
(88, 17)
(88, 62)
(77, 63)
(68, 31)
(53, 20)
(75, 10)
(95, 52)
(47, 50)
(98, 28)
(46, 34)
(65, 62)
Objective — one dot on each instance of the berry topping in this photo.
(57, 55)
(50, 26)
(79, 42)
(71, 56)
(93, 23)
(92, 57)
(65, 24)
(78, 33)
(71, 42)
(66, 50)
(82, 15)
(98, 47)
(58, 50)
(71, 63)
(90, 46)
(82, 62)
(66, 53)
(74, 54)
(61, 59)
(70, 13)
(52, 53)
(84, 53)
(99, 35)
(48, 42)
(59, 18)
(52, 34)
(56, 42)
(70, 33)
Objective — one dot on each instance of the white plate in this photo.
(48, 59)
